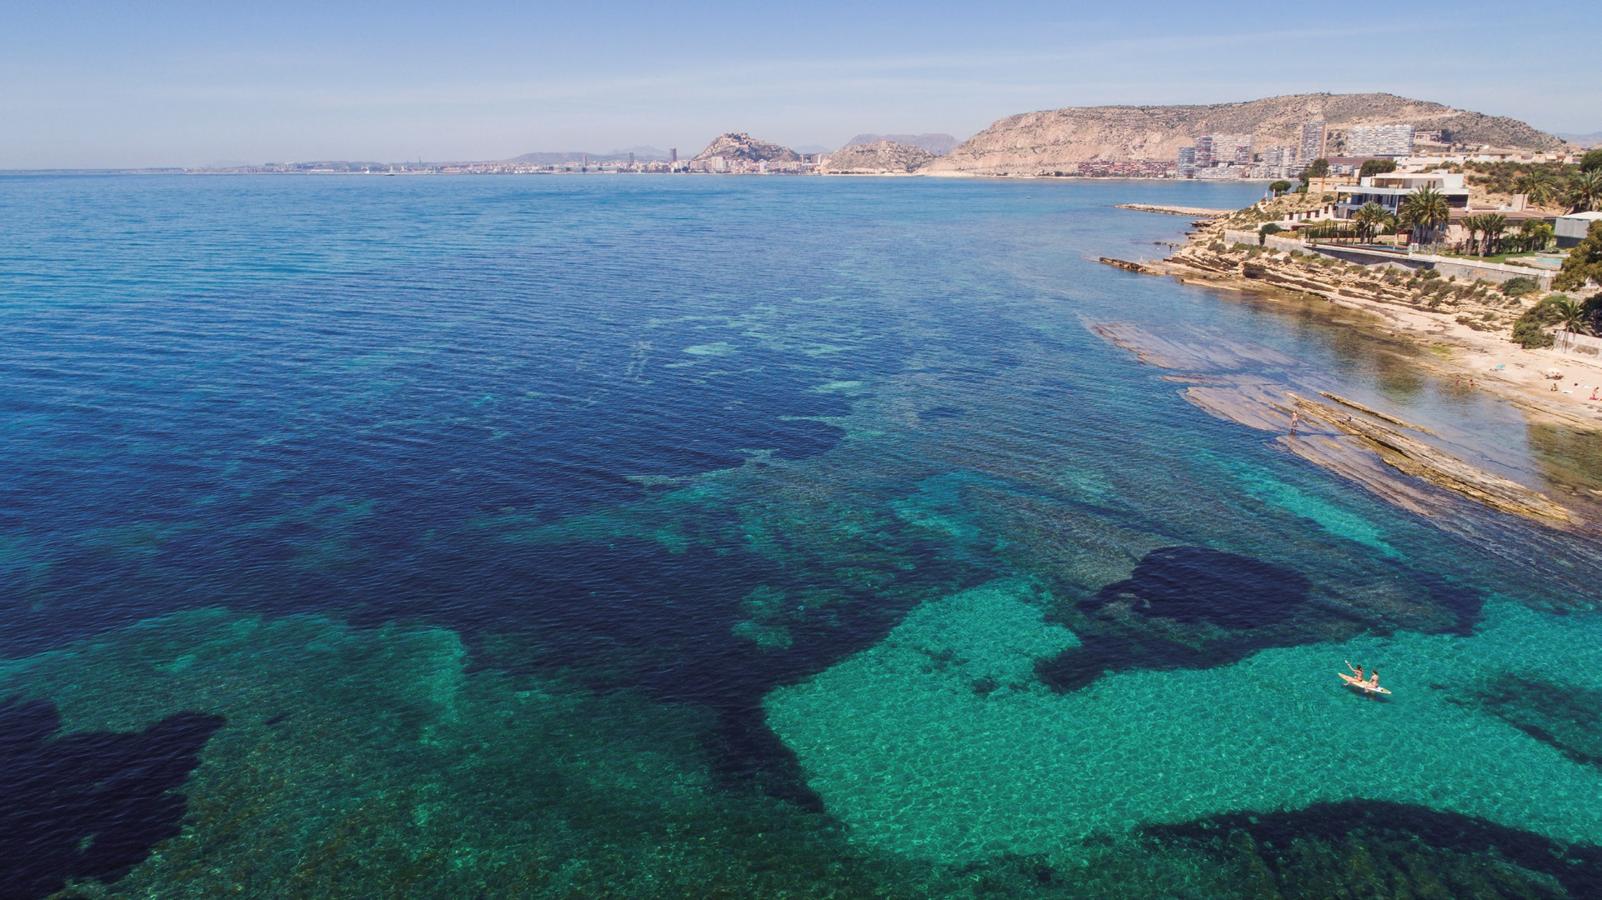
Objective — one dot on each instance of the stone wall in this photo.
(1578, 344)
(1495, 273)
(1461, 269)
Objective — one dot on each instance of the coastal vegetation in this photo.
(1507, 308)
(1586, 192)
(1318, 168)
(1423, 212)
(1492, 238)
(1534, 328)
(1485, 232)
(1546, 184)
(1376, 167)
(1534, 236)
(1372, 219)
(1522, 286)
(1584, 263)
(1581, 270)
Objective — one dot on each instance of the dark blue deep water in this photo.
(586, 536)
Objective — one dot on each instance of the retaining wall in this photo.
(1461, 269)
(1578, 344)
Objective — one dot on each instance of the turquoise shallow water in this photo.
(665, 536)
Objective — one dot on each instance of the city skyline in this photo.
(192, 85)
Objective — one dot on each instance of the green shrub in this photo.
(1530, 329)
(1376, 167)
(1530, 335)
(1520, 286)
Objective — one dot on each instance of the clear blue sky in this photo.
(181, 83)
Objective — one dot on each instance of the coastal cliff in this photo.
(1060, 139)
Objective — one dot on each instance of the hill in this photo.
(877, 158)
(937, 144)
(737, 145)
(1060, 139)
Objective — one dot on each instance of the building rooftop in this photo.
(1393, 191)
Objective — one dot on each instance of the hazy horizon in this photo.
(195, 85)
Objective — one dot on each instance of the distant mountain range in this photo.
(564, 157)
(1594, 139)
(1057, 141)
(938, 144)
(1060, 139)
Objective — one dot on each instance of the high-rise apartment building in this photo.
(1313, 138)
(1223, 149)
(1278, 162)
(1379, 140)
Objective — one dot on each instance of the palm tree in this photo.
(1370, 218)
(1537, 186)
(1585, 192)
(1390, 224)
(1568, 313)
(1471, 224)
(1423, 211)
(1492, 225)
(1535, 234)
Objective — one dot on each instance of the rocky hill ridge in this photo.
(935, 143)
(878, 158)
(1060, 139)
(739, 145)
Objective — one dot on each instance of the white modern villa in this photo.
(1389, 189)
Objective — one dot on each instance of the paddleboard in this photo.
(1352, 680)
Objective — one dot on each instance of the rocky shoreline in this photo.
(1463, 329)
(1463, 326)
(1392, 458)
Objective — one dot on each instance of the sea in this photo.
(658, 536)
